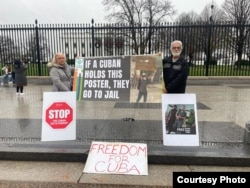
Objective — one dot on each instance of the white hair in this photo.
(176, 41)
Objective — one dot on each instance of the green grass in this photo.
(219, 70)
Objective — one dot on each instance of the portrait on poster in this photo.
(179, 120)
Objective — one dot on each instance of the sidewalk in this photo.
(223, 111)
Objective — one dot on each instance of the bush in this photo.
(211, 62)
(244, 62)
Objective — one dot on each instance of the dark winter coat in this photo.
(20, 74)
(175, 74)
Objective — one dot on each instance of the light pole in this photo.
(93, 38)
(211, 17)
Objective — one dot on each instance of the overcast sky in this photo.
(72, 11)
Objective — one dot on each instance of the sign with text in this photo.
(117, 158)
(116, 78)
(179, 120)
(59, 116)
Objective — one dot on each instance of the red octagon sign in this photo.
(59, 115)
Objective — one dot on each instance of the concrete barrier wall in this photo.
(218, 80)
(192, 80)
(39, 80)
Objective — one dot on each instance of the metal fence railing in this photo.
(212, 49)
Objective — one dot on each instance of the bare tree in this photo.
(189, 17)
(211, 12)
(31, 53)
(137, 13)
(188, 35)
(238, 11)
(8, 50)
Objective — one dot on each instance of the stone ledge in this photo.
(217, 80)
(39, 80)
(225, 154)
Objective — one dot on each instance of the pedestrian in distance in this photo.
(13, 77)
(175, 70)
(60, 73)
(20, 76)
(7, 77)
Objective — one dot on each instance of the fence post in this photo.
(209, 54)
(208, 49)
(93, 38)
(37, 50)
(149, 38)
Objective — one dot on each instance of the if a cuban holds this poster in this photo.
(106, 78)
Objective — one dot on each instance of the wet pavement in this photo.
(223, 111)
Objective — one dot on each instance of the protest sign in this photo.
(116, 78)
(59, 116)
(78, 74)
(117, 158)
(179, 120)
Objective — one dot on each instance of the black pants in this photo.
(19, 88)
(140, 94)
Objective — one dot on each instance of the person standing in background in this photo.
(60, 73)
(175, 70)
(20, 76)
(6, 78)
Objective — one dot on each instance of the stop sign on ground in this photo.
(59, 115)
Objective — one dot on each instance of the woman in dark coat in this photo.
(20, 76)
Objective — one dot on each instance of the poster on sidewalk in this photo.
(117, 158)
(59, 116)
(119, 78)
(179, 120)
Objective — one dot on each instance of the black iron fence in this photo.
(212, 49)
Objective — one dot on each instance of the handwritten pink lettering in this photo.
(118, 149)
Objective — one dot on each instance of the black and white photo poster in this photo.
(132, 79)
